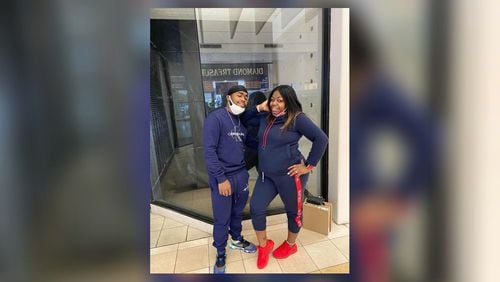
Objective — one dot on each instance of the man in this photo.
(224, 141)
(251, 154)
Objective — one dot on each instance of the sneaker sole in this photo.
(221, 270)
(283, 257)
(241, 249)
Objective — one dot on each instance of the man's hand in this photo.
(262, 107)
(225, 188)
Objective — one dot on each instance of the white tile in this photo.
(300, 262)
(307, 237)
(164, 249)
(247, 232)
(339, 269)
(272, 266)
(342, 243)
(181, 219)
(191, 259)
(201, 271)
(247, 225)
(281, 226)
(279, 236)
(156, 224)
(276, 219)
(172, 236)
(169, 223)
(153, 238)
(338, 231)
(231, 255)
(154, 216)
(325, 254)
(163, 263)
(194, 243)
(194, 233)
(315, 272)
(202, 226)
(235, 267)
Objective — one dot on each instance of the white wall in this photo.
(338, 151)
(294, 66)
(474, 143)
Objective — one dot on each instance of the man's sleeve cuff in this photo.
(221, 179)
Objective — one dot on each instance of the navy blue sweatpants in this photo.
(266, 188)
(227, 210)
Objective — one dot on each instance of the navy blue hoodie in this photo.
(223, 144)
(279, 149)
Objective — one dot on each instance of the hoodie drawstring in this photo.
(266, 133)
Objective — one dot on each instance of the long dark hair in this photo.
(292, 104)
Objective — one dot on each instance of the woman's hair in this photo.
(292, 104)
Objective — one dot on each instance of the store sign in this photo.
(234, 71)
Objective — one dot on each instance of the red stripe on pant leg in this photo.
(298, 185)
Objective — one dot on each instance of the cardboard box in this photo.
(318, 218)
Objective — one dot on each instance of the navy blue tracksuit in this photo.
(224, 142)
(278, 150)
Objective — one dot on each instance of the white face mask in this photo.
(235, 109)
(280, 114)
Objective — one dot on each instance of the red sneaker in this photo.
(263, 256)
(285, 250)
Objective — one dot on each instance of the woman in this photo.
(283, 169)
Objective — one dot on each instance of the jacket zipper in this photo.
(266, 133)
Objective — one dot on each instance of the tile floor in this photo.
(179, 248)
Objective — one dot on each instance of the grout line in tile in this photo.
(157, 239)
(208, 256)
(331, 240)
(243, 262)
(340, 253)
(307, 252)
(279, 265)
(176, 256)
(162, 224)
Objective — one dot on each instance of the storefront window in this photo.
(209, 50)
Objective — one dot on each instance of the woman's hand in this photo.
(262, 107)
(298, 169)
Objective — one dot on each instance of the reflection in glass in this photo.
(206, 51)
